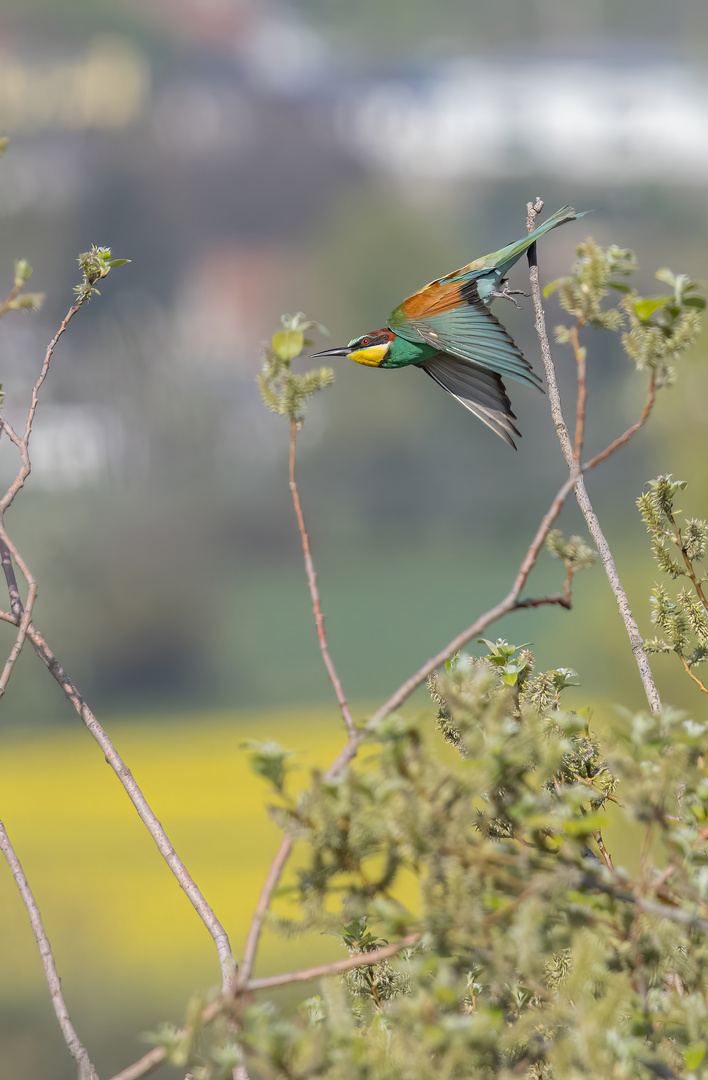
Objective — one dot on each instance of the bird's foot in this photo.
(508, 294)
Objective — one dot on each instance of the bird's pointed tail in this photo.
(505, 259)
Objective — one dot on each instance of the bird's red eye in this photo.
(365, 340)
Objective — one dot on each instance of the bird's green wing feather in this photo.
(478, 389)
(451, 317)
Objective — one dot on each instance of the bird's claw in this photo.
(508, 294)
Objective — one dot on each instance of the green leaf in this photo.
(666, 275)
(551, 287)
(693, 1054)
(646, 308)
(695, 302)
(620, 286)
(584, 825)
(118, 262)
(288, 343)
(3, 144)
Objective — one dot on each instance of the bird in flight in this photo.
(448, 330)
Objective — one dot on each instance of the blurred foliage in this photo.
(537, 958)
(660, 327)
(683, 619)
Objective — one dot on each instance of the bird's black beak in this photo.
(343, 351)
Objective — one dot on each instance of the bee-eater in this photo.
(448, 330)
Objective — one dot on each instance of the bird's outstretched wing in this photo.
(450, 316)
(478, 389)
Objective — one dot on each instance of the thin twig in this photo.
(74, 1045)
(606, 857)
(562, 599)
(687, 668)
(22, 614)
(22, 443)
(374, 956)
(142, 806)
(580, 357)
(146, 1064)
(314, 592)
(12, 295)
(635, 638)
(283, 853)
(502, 608)
(132, 789)
(691, 573)
(9, 551)
(269, 886)
(25, 469)
(623, 439)
(150, 1061)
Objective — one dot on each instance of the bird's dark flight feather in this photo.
(478, 389)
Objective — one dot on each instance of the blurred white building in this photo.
(587, 119)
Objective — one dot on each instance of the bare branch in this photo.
(506, 605)
(146, 1065)
(8, 549)
(624, 438)
(150, 1061)
(142, 806)
(22, 615)
(582, 390)
(74, 1045)
(283, 853)
(688, 671)
(314, 593)
(11, 296)
(635, 638)
(374, 956)
(271, 883)
(23, 443)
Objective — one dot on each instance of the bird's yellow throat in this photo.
(372, 356)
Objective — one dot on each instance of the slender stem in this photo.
(145, 812)
(12, 295)
(9, 550)
(269, 886)
(506, 605)
(635, 638)
(150, 1061)
(74, 1045)
(22, 615)
(623, 439)
(687, 668)
(689, 565)
(283, 853)
(123, 773)
(374, 956)
(314, 592)
(580, 358)
(22, 443)
(606, 857)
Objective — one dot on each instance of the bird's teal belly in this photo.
(403, 353)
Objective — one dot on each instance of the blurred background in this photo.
(252, 158)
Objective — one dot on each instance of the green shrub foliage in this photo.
(537, 958)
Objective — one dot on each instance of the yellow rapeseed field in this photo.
(114, 914)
